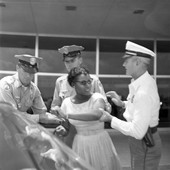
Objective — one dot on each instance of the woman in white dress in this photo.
(92, 142)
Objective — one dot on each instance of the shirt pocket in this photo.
(64, 93)
(28, 99)
(28, 102)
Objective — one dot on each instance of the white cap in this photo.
(133, 49)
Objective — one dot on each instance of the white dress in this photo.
(92, 142)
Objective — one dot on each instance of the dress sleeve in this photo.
(97, 101)
(38, 106)
(98, 87)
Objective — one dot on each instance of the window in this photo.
(111, 53)
(164, 93)
(10, 45)
(163, 57)
(46, 85)
(53, 60)
(120, 85)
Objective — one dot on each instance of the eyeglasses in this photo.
(85, 82)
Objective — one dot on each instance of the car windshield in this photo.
(25, 145)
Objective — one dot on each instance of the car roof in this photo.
(24, 142)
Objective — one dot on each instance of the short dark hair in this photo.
(75, 72)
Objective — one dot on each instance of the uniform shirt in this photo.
(63, 89)
(142, 108)
(22, 98)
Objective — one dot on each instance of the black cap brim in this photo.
(32, 70)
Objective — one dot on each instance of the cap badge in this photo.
(32, 60)
(65, 50)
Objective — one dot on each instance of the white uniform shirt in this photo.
(142, 108)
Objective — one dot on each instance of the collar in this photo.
(136, 83)
(18, 82)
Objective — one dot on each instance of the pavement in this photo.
(121, 144)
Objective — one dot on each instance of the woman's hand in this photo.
(108, 107)
(49, 118)
(61, 113)
(58, 112)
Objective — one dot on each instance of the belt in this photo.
(153, 129)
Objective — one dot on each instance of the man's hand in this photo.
(49, 118)
(61, 113)
(54, 110)
(57, 111)
(106, 117)
(115, 98)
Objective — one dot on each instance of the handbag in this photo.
(148, 138)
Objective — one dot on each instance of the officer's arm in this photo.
(56, 99)
(6, 94)
(38, 105)
(40, 111)
(98, 87)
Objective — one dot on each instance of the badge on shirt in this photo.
(132, 99)
(6, 87)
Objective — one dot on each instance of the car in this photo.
(26, 145)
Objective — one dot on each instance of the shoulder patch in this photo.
(5, 83)
(10, 79)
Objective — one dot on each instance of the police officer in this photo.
(72, 58)
(22, 93)
(141, 110)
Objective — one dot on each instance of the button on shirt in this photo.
(22, 98)
(142, 108)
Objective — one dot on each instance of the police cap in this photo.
(70, 51)
(28, 62)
